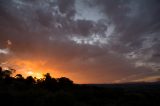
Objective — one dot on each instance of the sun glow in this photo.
(37, 68)
(34, 68)
(34, 74)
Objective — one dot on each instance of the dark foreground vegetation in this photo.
(20, 91)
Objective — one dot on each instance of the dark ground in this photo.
(20, 91)
(81, 95)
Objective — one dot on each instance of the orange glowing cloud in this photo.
(33, 68)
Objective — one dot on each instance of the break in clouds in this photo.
(90, 41)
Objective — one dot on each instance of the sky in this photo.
(88, 41)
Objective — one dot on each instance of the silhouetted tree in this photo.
(30, 80)
(65, 82)
(21, 83)
(19, 77)
(7, 76)
(7, 73)
(12, 70)
(49, 82)
(47, 77)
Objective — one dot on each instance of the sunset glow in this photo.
(33, 68)
(37, 75)
(80, 52)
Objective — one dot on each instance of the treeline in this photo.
(47, 82)
(49, 91)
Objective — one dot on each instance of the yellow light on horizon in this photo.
(36, 68)
(34, 74)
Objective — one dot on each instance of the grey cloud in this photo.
(133, 29)
(42, 29)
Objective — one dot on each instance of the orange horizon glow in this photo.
(34, 68)
(37, 68)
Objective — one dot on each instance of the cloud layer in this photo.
(90, 41)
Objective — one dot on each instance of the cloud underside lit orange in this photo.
(79, 74)
(33, 68)
(37, 68)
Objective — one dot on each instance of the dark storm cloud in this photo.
(137, 24)
(119, 44)
(66, 7)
